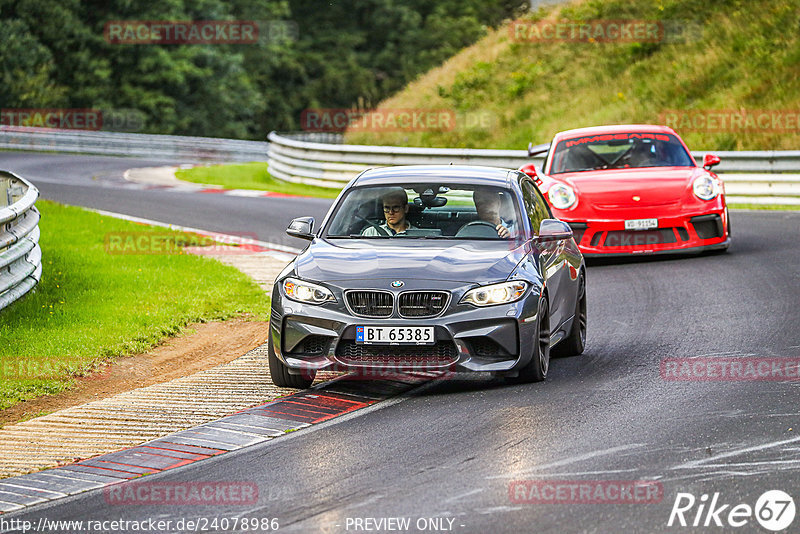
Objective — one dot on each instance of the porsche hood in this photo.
(652, 185)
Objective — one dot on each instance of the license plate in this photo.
(641, 224)
(395, 335)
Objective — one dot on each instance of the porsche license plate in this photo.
(395, 335)
(641, 224)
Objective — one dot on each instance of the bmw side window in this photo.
(535, 205)
(530, 206)
(544, 207)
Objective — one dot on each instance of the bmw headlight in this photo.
(306, 292)
(705, 187)
(561, 196)
(493, 294)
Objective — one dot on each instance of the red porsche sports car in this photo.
(633, 189)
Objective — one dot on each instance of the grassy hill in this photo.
(717, 55)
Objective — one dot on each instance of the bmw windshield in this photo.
(426, 211)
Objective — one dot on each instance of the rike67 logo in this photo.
(774, 510)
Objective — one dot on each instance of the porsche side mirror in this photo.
(552, 229)
(530, 170)
(535, 150)
(301, 227)
(709, 160)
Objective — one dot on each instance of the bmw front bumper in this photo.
(467, 338)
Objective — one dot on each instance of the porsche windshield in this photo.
(426, 211)
(619, 151)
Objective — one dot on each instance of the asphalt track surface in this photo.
(452, 448)
(97, 182)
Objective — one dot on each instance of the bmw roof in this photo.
(462, 174)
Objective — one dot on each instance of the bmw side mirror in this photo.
(301, 227)
(709, 160)
(552, 229)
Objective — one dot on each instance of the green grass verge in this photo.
(92, 305)
(777, 207)
(250, 176)
(735, 55)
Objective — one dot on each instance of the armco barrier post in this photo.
(20, 255)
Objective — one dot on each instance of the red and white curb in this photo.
(246, 428)
(163, 178)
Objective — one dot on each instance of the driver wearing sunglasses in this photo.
(395, 208)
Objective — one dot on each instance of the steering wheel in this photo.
(625, 156)
(477, 224)
(377, 227)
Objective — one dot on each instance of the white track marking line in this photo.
(245, 193)
(713, 459)
(574, 459)
(498, 509)
(467, 494)
(584, 473)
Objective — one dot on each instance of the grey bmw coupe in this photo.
(430, 268)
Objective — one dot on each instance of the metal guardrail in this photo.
(322, 159)
(170, 147)
(333, 165)
(20, 255)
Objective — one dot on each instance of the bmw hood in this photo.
(410, 259)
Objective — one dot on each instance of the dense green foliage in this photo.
(341, 53)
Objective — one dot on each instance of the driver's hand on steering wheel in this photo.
(502, 231)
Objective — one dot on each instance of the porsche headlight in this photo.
(561, 196)
(493, 294)
(705, 188)
(306, 292)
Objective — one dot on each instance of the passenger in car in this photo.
(395, 209)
